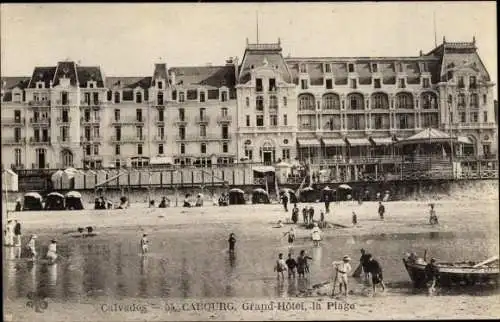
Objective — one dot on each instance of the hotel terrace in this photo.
(266, 108)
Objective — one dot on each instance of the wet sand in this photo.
(257, 221)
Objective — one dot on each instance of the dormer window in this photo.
(272, 84)
(328, 68)
(426, 83)
(472, 82)
(461, 83)
(354, 83)
(117, 97)
(351, 68)
(402, 83)
(303, 68)
(376, 83)
(138, 97)
(40, 85)
(160, 85)
(258, 84)
(181, 97)
(303, 83)
(374, 67)
(223, 96)
(202, 96)
(91, 84)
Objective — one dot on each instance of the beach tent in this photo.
(54, 201)
(74, 201)
(56, 179)
(327, 191)
(32, 201)
(292, 197)
(260, 195)
(68, 178)
(343, 191)
(236, 197)
(308, 195)
(10, 180)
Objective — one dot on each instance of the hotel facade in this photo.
(265, 108)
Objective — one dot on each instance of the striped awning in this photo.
(334, 142)
(358, 141)
(383, 141)
(464, 140)
(309, 142)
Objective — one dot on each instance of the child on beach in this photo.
(342, 270)
(354, 219)
(291, 264)
(31, 246)
(280, 267)
(302, 265)
(291, 236)
(304, 215)
(433, 219)
(52, 251)
(322, 219)
(295, 214)
(17, 233)
(381, 210)
(232, 242)
(316, 235)
(144, 244)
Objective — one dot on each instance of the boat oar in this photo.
(335, 280)
(357, 271)
(486, 262)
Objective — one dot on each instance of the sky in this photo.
(127, 39)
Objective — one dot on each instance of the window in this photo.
(203, 148)
(258, 84)
(331, 101)
(472, 82)
(473, 117)
(139, 132)
(351, 68)
(355, 102)
(285, 153)
(306, 102)
(96, 149)
(225, 147)
(174, 95)
(259, 103)
(117, 97)
(380, 100)
(138, 97)
(65, 116)
(461, 100)
(329, 83)
(17, 116)
(159, 98)
(96, 98)
(485, 117)
(64, 98)
(117, 115)
(484, 99)
(224, 111)
(225, 132)
(138, 113)
(259, 120)
(17, 157)
(224, 96)
(203, 114)
(181, 114)
(273, 120)
(285, 120)
(88, 149)
(118, 133)
(303, 68)
(354, 83)
(451, 117)
(285, 101)
(402, 83)
(273, 102)
(110, 96)
(139, 149)
(426, 83)
(160, 148)
(247, 101)
(404, 100)
(403, 121)
(202, 96)
(328, 68)
(462, 117)
(378, 122)
(65, 133)
(182, 132)
(192, 94)
(203, 130)
(160, 84)
(248, 120)
(17, 134)
(303, 83)
(272, 84)
(249, 153)
(183, 148)
(474, 102)
(161, 115)
(181, 96)
(374, 68)
(461, 82)
(376, 83)
(96, 132)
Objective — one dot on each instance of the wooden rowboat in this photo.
(456, 273)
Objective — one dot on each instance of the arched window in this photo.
(380, 100)
(259, 103)
(331, 102)
(428, 100)
(356, 101)
(138, 97)
(404, 100)
(273, 102)
(306, 102)
(117, 97)
(67, 158)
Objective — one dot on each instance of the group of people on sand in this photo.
(301, 266)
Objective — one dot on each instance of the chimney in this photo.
(51, 83)
(229, 61)
(235, 64)
(474, 40)
(172, 76)
(420, 52)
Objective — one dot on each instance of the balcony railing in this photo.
(202, 119)
(14, 141)
(13, 121)
(159, 138)
(61, 103)
(133, 121)
(17, 166)
(39, 141)
(39, 103)
(179, 120)
(471, 126)
(199, 138)
(62, 139)
(39, 121)
(94, 138)
(84, 120)
(61, 120)
(91, 103)
(224, 119)
(158, 121)
(128, 139)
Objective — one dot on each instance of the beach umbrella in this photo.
(345, 186)
(55, 194)
(327, 188)
(33, 195)
(260, 190)
(237, 190)
(73, 194)
(307, 189)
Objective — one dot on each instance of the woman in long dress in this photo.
(9, 234)
(316, 234)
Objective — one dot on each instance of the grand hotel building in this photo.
(264, 108)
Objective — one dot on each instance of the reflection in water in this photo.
(280, 288)
(201, 267)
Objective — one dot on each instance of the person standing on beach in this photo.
(381, 210)
(295, 214)
(433, 219)
(363, 260)
(354, 219)
(327, 204)
(373, 267)
(342, 269)
(311, 214)
(291, 264)
(291, 237)
(17, 233)
(9, 234)
(32, 247)
(304, 215)
(284, 200)
(52, 251)
(232, 242)
(302, 265)
(144, 244)
(316, 235)
(322, 219)
(280, 267)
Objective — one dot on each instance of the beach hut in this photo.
(56, 179)
(343, 191)
(308, 194)
(260, 195)
(54, 201)
(236, 197)
(327, 191)
(32, 201)
(292, 197)
(74, 201)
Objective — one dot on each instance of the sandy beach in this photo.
(460, 217)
